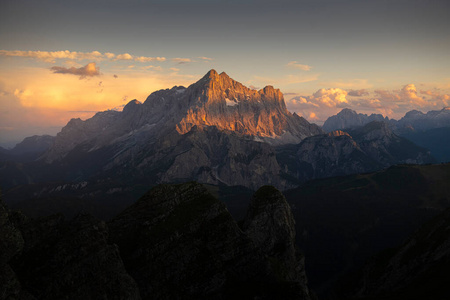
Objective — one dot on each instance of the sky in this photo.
(70, 59)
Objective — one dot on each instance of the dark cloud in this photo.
(90, 70)
(358, 93)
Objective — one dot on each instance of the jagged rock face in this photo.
(179, 242)
(368, 148)
(78, 131)
(417, 120)
(71, 260)
(413, 120)
(333, 154)
(212, 156)
(383, 145)
(270, 224)
(348, 118)
(215, 100)
(222, 102)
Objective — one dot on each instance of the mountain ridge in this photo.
(214, 100)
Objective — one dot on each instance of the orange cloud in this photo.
(124, 56)
(50, 56)
(206, 59)
(88, 70)
(35, 101)
(320, 105)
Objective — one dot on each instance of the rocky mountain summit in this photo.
(429, 130)
(215, 100)
(413, 120)
(417, 120)
(348, 118)
(214, 131)
(176, 242)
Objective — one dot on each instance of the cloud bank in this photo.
(394, 104)
(51, 56)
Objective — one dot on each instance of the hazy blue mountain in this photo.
(347, 119)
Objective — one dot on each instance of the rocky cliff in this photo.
(222, 102)
(347, 119)
(176, 242)
(368, 148)
(180, 236)
(271, 225)
(417, 120)
(215, 100)
(215, 131)
(413, 120)
(52, 258)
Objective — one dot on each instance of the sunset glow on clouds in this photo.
(51, 56)
(47, 98)
(323, 55)
(392, 103)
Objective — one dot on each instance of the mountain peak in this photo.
(211, 74)
(347, 111)
(218, 100)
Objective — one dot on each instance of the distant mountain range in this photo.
(29, 149)
(430, 130)
(413, 120)
(215, 131)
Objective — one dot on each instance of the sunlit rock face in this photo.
(215, 100)
(220, 101)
